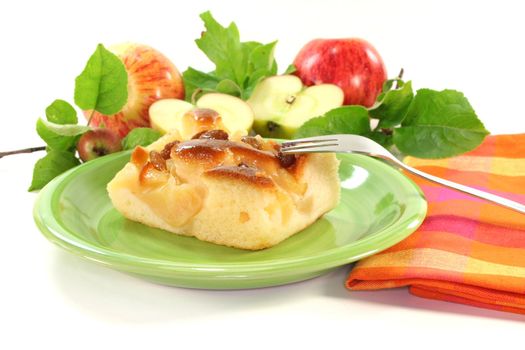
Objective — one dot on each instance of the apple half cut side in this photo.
(166, 115)
(236, 114)
(282, 104)
(169, 115)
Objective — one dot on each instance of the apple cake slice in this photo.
(241, 193)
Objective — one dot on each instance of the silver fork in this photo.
(362, 145)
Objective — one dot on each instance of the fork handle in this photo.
(505, 202)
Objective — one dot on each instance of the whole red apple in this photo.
(151, 76)
(352, 64)
(97, 143)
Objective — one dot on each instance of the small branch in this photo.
(24, 150)
(399, 77)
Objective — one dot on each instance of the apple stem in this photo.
(24, 150)
(399, 77)
(387, 131)
(194, 95)
(290, 99)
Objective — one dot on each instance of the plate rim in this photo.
(62, 236)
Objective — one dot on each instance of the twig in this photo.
(24, 150)
(399, 77)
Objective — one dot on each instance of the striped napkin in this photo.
(467, 250)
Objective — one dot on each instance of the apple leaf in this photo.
(247, 48)
(61, 112)
(223, 47)
(59, 137)
(140, 137)
(239, 66)
(393, 105)
(64, 129)
(103, 84)
(439, 124)
(387, 86)
(383, 139)
(61, 133)
(261, 58)
(290, 69)
(194, 79)
(261, 64)
(229, 87)
(342, 120)
(53, 164)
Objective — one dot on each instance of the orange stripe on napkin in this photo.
(467, 251)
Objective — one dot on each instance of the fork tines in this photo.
(311, 144)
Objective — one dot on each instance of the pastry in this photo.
(241, 193)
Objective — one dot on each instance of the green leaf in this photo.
(342, 120)
(103, 84)
(261, 58)
(439, 124)
(393, 106)
(252, 82)
(140, 137)
(59, 137)
(229, 87)
(223, 47)
(66, 129)
(387, 85)
(384, 140)
(61, 112)
(239, 66)
(247, 47)
(261, 64)
(53, 164)
(194, 79)
(290, 69)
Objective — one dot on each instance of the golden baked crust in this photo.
(241, 193)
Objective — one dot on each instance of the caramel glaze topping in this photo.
(201, 150)
(253, 160)
(241, 173)
(211, 134)
(205, 116)
(157, 160)
(166, 152)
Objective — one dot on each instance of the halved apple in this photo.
(166, 115)
(282, 104)
(212, 111)
(236, 114)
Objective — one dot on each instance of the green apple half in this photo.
(236, 115)
(282, 104)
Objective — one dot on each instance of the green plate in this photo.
(378, 208)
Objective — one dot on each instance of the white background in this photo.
(49, 297)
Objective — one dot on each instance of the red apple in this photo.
(151, 76)
(97, 143)
(352, 64)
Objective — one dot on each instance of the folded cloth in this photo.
(467, 250)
